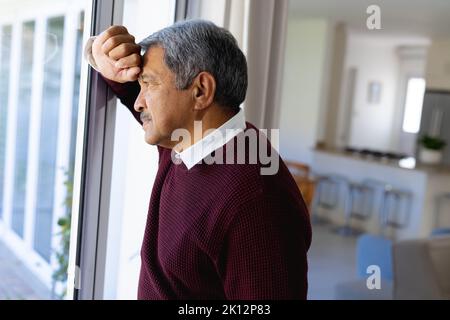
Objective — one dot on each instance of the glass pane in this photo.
(76, 96)
(40, 86)
(5, 59)
(49, 134)
(23, 126)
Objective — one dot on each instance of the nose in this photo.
(140, 104)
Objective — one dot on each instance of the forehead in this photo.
(153, 63)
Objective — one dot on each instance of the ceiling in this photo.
(423, 18)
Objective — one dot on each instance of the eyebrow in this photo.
(146, 76)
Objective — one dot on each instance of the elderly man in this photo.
(215, 229)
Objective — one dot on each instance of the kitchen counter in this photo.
(423, 181)
(407, 163)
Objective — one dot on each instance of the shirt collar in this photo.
(213, 141)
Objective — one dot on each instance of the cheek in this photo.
(160, 109)
(169, 110)
(153, 102)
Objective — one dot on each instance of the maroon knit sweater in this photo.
(222, 231)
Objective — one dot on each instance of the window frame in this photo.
(92, 176)
(24, 247)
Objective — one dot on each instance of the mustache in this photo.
(145, 117)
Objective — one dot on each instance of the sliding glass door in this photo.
(40, 74)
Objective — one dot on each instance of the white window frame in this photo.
(23, 248)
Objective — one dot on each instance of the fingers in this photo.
(117, 55)
(111, 32)
(115, 41)
(130, 74)
(133, 60)
(111, 38)
(123, 50)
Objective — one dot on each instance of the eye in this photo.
(143, 83)
(146, 82)
(152, 83)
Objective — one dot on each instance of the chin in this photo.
(151, 142)
(151, 139)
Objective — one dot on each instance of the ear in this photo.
(203, 90)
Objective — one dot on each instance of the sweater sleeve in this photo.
(127, 94)
(264, 253)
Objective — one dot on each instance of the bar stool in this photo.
(395, 209)
(328, 196)
(438, 225)
(359, 206)
(379, 188)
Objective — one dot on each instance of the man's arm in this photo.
(116, 56)
(264, 253)
(127, 93)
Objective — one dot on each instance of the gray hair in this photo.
(194, 46)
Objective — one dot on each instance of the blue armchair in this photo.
(370, 250)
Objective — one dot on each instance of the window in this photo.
(415, 91)
(22, 126)
(48, 136)
(40, 67)
(5, 59)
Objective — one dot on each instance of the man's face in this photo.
(163, 107)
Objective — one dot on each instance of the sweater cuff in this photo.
(88, 56)
(122, 90)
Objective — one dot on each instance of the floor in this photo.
(332, 260)
(16, 281)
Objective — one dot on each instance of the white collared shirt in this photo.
(213, 141)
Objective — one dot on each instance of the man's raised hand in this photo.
(116, 54)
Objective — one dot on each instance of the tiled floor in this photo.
(332, 260)
(16, 281)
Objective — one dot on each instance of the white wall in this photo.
(214, 11)
(330, 116)
(375, 60)
(303, 93)
(438, 65)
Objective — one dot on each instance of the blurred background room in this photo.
(368, 111)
